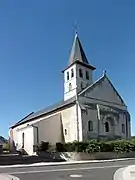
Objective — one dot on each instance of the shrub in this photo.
(79, 146)
(93, 146)
(118, 146)
(106, 146)
(44, 146)
(60, 147)
(122, 146)
(69, 147)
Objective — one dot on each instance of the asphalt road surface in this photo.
(90, 171)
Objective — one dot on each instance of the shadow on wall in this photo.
(62, 131)
(12, 147)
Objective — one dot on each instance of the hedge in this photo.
(119, 146)
(44, 146)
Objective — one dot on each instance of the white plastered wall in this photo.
(28, 138)
(51, 128)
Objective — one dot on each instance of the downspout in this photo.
(126, 118)
(98, 118)
(127, 125)
(77, 120)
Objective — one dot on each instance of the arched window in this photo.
(66, 132)
(67, 76)
(90, 126)
(106, 126)
(80, 73)
(70, 86)
(123, 128)
(72, 73)
(87, 75)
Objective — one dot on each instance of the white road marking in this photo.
(76, 175)
(69, 169)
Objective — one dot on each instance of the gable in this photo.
(104, 91)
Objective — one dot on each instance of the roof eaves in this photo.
(82, 63)
(42, 114)
(22, 119)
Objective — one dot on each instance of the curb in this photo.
(8, 177)
(64, 163)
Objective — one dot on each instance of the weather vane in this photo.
(75, 26)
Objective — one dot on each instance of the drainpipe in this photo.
(77, 119)
(98, 118)
(127, 124)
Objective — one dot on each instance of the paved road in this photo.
(91, 171)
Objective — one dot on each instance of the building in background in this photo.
(90, 110)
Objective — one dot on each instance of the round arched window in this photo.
(70, 86)
(106, 127)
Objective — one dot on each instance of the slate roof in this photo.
(45, 111)
(77, 55)
(77, 52)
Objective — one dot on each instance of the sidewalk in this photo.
(64, 163)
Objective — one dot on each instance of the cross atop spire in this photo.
(77, 52)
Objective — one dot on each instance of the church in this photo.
(89, 110)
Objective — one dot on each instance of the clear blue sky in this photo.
(35, 40)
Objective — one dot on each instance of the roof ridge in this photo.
(94, 83)
(116, 91)
(98, 81)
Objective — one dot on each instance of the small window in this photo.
(90, 126)
(66, 132)
(106, 126)
(87, 75)
(72, 73)
(81, 85)
(67, 75)
(70, 86)
(80, 73)
(123, 128)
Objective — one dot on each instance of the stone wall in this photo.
(69, 156)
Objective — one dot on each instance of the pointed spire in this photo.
(77, 52)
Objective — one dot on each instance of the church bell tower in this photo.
(78, 74)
